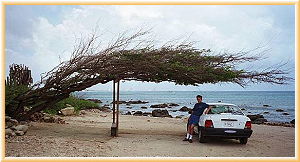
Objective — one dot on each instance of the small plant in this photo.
(77, 103)
(11, 92)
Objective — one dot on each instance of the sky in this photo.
(42, 36)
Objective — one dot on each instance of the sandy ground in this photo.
(141, 136)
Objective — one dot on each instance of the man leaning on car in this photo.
(194, 117)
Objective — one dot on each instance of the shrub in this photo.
(77, 103)
(12, 91)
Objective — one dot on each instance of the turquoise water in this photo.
(251, 101)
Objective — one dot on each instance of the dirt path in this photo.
(142, 136)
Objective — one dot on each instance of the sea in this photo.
(251, 102)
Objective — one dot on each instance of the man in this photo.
(197, 111)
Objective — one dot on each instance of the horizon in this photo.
(192, 91)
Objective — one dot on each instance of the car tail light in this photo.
(209, 124)
(248, 125)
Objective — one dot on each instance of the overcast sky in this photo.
(41, 36)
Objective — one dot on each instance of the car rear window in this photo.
(218, 109)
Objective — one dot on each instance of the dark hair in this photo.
(199, 96)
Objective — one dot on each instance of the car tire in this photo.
(202, 139)
(243, 140)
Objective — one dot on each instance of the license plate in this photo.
(228, 124)
(230, 131)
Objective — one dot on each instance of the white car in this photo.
(224, 120)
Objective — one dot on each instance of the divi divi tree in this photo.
(135, 57)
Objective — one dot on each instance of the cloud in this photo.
(48, 38)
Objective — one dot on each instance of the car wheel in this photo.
(202, 139)
(243, 140)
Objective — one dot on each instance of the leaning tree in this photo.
(136, 58)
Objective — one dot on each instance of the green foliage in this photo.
(77, 103)
(11, 92)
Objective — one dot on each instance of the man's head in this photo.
(199, 98)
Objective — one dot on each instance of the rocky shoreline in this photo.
(13, 127)
(255, 118)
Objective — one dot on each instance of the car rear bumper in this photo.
(226, 132)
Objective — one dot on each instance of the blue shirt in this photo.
(199, 108)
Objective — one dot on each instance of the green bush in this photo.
(12, 91)
(77, 103)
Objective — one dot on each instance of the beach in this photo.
(88, 135)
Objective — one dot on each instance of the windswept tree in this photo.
(134, 57)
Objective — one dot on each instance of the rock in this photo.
(13, 128)
(292, 121)
(259, 121)
(266, 105)
(22, 128)
(47, 119)
(243, 109)
(137, 102)
(68, 111)
(143, 107)
(174, 110)
(105, 109)
(147, 113)
(266, 112)
(129, 107)
(68, 105)
(159, 106)
(121, 102)
(279, 110)
(7, 118)
(254, 117)
(173, 104)
(128, 104)
(82, 112)
(160, 113)
(14, 121)
(106, 105)
(60, 121)
(23, 123)
(285, 113)
(138, 113)
(184, 109)
(9, 132)
(36, 116)
(19, 133)
(8, 124)
(128, 113)
(95, 100)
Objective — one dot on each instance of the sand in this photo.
(141, 136)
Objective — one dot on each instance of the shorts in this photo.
(194, 119)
